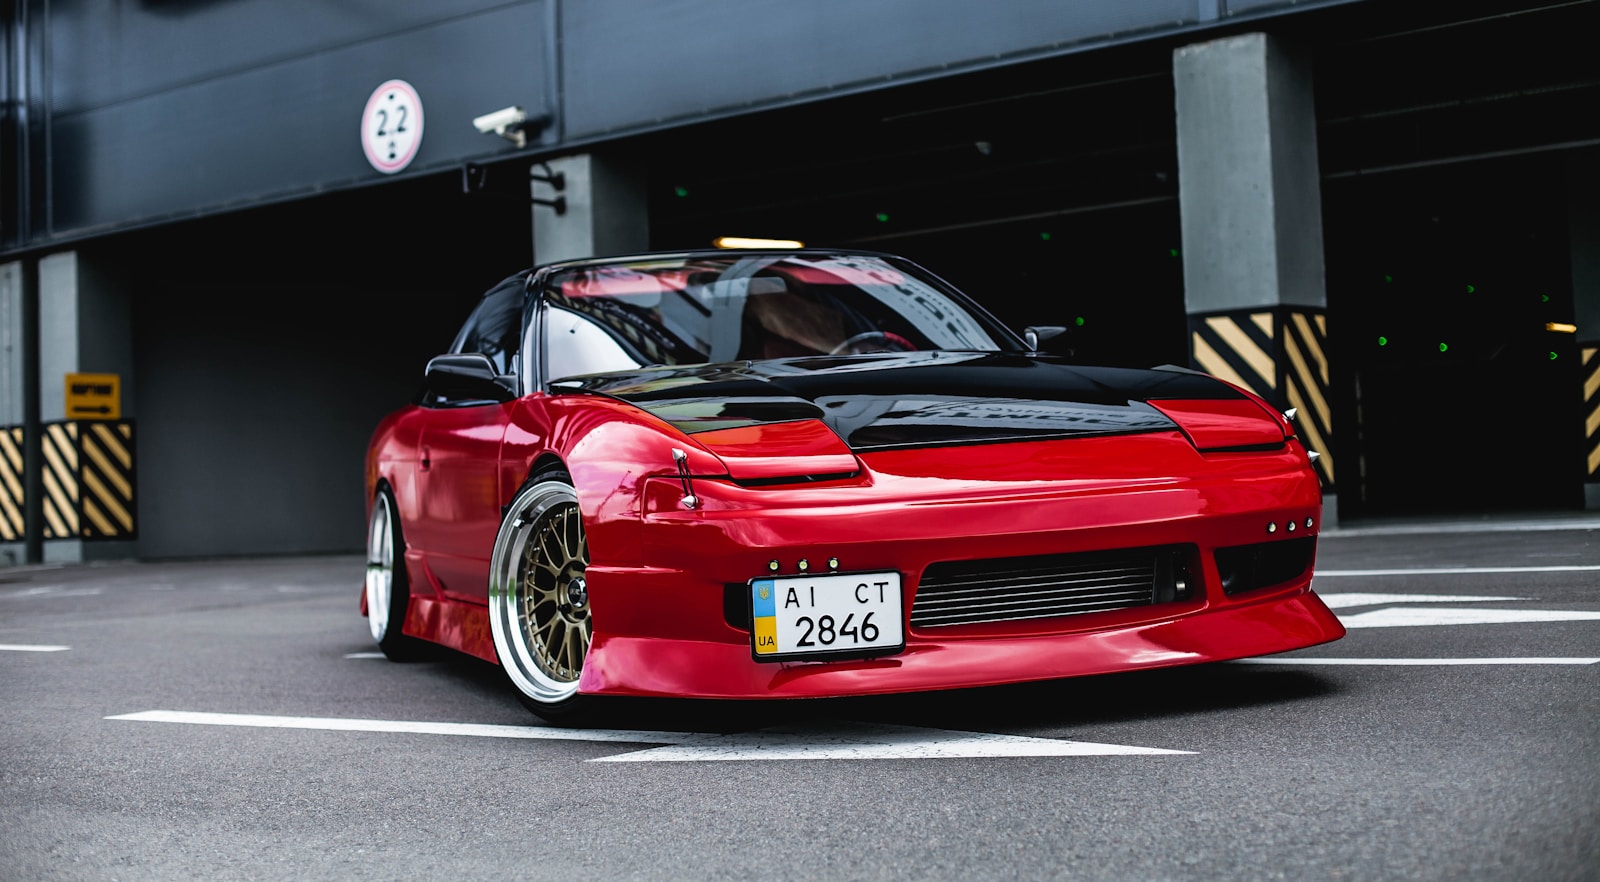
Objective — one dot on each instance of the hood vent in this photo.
(915, 399)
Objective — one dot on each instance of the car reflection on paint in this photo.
(808, 473)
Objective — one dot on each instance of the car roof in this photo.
(705, 252)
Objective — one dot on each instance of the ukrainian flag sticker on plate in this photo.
(763, 615)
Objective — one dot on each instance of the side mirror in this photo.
(469, 377)
(1034, 335)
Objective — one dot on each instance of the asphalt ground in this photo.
(1435, 769)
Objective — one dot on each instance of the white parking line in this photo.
(1457, 571)
(22, 647)
(1421, 662)
(1407, 617)
(51, 591)
(1586, 523)
(363, 655)
(822, 741)
(339, 724)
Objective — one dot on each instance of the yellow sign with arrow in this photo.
(94, 397)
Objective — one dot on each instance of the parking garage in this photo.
(1428, 244)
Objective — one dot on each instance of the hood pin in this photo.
(689, 500)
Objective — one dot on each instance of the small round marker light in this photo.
(804, 565)
(833, 563)
(1308, 523)
(773, 566)
(1291, 526)
(1272, 527)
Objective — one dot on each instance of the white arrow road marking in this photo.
(1341, 601)
(20, 647)
(1456, 571)
(1421, 662)
(825, 741)
(1402, 617)
(861, 741)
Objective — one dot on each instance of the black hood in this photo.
(914, 399)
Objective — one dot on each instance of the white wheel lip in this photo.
(509, 542)
(380, 567)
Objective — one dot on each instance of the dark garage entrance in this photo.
(1440, 283)
(1065, 171)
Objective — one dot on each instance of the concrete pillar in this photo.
(1251, 203)
(13, 415)
(603, 208)
(11, 345)
(85, 326)
(1584, 216)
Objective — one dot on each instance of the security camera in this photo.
(506, 122)
(501, 120)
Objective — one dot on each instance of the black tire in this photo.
(538, 598)
(388, 586)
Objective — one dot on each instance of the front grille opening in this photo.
(1264, 564)
(971, 592)
(736, 605)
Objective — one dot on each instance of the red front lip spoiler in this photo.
(653, 666)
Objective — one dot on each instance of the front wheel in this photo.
(539, 598)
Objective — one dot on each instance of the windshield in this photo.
(714, 308)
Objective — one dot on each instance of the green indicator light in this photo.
(1388, 278)
(883, 218)
(1172, 251)
(1444, 347)
(1552, 356)
(1078, 321)
(1383, 341)
(1544, 298)
(1044, 236)
(680, 192)
(1471, 289)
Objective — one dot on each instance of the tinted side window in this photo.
(495, 327)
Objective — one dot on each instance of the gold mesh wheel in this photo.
(539, 596)
(553, 601)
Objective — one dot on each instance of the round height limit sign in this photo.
(391, 126)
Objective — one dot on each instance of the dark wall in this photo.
(147, 111)
(268, 345)
(688, 57)
(166, 109)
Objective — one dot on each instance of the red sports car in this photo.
(783, 474)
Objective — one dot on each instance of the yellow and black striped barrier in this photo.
(89, 480)
(1591, 409)
(13, 495)
(60, 480)
(1279, 354)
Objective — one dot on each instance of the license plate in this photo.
(835, 615)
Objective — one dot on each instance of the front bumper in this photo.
(661, 628)
(623, 665)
